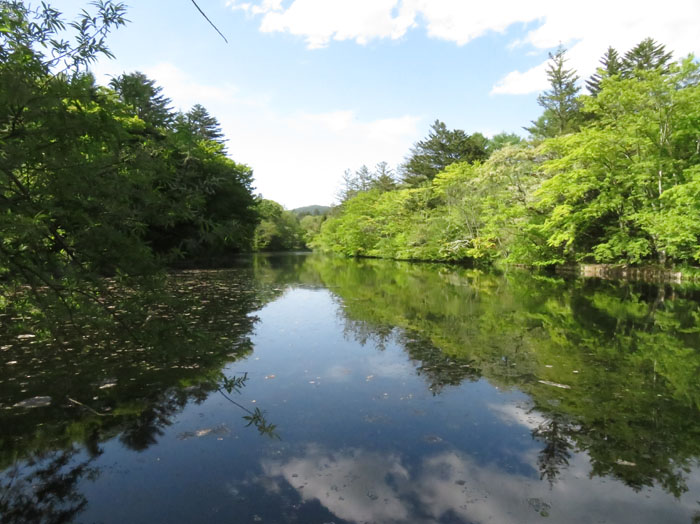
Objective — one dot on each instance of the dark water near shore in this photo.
(314, 390)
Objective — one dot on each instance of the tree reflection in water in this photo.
(106, 382)
(609, 370)
(44, 489)
(625, 354)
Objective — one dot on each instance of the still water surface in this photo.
(375, 392)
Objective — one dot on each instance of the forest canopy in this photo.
(612, 176)
(102, 181)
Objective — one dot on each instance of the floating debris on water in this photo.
(217, 431)
(554, 384)
(34, 402)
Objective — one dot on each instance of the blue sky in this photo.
(308, 88)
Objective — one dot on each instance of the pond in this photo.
(304, 389)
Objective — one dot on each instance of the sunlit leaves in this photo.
(606, 197)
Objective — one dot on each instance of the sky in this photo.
(305, 89)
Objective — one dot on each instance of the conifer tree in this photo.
(203, 124)
(562, 113)
(142, 93)
(441, 148)
(611, 65)
(646, 55)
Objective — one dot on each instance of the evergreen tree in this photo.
(203, 124)
(646, 55)
(612, 65)
(562, 113)
(144, 96)
(383, 178)
(442, 148)
(364, 180)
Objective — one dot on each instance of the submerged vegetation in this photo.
(608, 177)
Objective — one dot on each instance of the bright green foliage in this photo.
(625, 187)
(502, 140)
(476, 211)
(441, 148)
(621, 186)
(279, 230)
(562, 108)
(311, 226)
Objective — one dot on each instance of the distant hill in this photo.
(311, 210)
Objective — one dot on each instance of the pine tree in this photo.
(442, 148)
(646, 55)
(561, 105)
(383, 178)
(612, 65)
(203, 124)
(142, 93)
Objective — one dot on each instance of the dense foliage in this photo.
(102, 181)
(611, 177)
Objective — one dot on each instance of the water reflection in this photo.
(359, 486)
(613, 367)
(62, 395)
(44, 488)
(403, 393)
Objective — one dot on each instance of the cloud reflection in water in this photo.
(361, 486)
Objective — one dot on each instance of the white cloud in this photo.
(517, 83)
(586, 30)
(298, 158)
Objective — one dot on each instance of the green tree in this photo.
(88, 188)
(203, 124)
(311, 225)
(624, 189)
(441, 148)
(647, 55)
(383, 178)
(279, 229)
(611, 66)
(562, 108)
(145, 97)
(501, 140)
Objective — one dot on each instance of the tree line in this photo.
(102, 188)
(610, 176)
